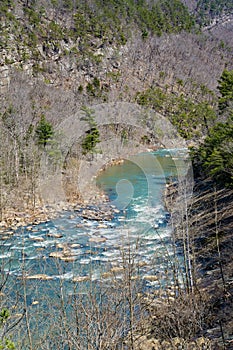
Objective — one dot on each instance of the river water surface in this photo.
(141, 222)
(136, 188)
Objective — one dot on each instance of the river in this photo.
(71, 248)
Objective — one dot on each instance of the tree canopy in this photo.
(225, 87)
(92, 135)
(44, 131)
(214, 156)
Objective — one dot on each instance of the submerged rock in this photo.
(37, 239)
(39, 277)
(102, 226)
(74, 245)
(4, 238)
(97, 239)
(81, 278)
(117, 269)
(151, 278)
(68, 258)
(57, 255)
(55, 235)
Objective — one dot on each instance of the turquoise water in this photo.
(139, 236)
(136, 188)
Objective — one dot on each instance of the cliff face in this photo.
(67, 48)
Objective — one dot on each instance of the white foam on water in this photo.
(112, 253)
(6, 255)
(11, 272)
(5, 244)
(15, 247)
(34, 257)
(109, 259)
(30, 236)
(66, 276)
(75, 252)
(45, 244)
(95, 258)
(88, 223)
(84, 261)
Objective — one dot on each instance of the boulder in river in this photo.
(68, 258)
(39, 277)
(150, 278)
(81, 278)
(37, 238)
(97, 239)
(57, 255)
(74, 245)
(55, 235)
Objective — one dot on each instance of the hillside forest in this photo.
(62, 62)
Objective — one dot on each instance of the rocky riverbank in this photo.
(96, 208)
(147, 343)
(13, 219)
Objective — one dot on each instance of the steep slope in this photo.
(58, 57)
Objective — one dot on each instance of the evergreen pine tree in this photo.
(44, 131)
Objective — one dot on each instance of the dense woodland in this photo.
(173, 57)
